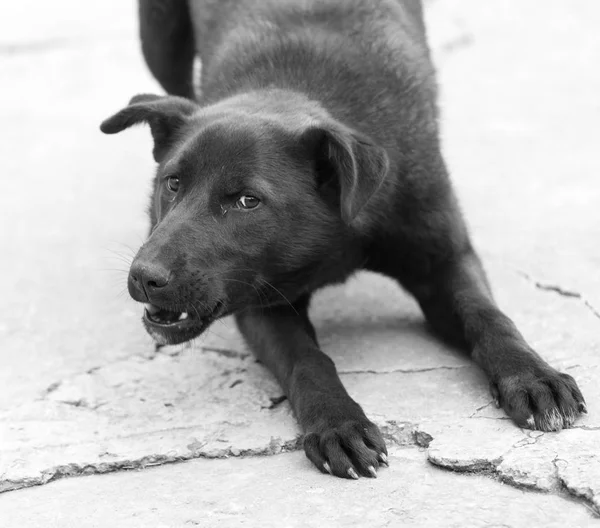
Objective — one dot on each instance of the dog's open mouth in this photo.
(161, 316)
(174, 327)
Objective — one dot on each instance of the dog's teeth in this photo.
(151, 308)
(183, 316)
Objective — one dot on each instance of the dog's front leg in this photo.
(456, 299)
(339, 439)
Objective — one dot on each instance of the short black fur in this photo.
(322, 116)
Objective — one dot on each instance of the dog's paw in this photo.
(353, 448)
(540, 398)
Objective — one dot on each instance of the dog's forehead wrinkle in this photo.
(171, 166)
(210, 156)
(182, 152)
(289, 111)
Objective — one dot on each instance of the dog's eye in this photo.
(247, 202)
(173, 184)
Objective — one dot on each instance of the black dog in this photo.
(312, 153)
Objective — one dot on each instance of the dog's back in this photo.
(362, 60)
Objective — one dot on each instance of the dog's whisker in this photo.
(121, 261)
(211, 330)
(122, 292)
(257, 290)
(128, 248)
(114, 269)
(119, 256)
(279, 292)
(196, 311)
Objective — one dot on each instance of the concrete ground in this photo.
(84, 393)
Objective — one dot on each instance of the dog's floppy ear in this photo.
(164, 114)
(359, 165)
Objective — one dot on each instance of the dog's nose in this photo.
(146, 278)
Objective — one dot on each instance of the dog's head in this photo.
(250, 206)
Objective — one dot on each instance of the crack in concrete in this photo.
(481, 409)
(585, 497)
(491, 468)
(478, 466)
(557, 289)
(51, 388)
(404, 371)
(585, 427)
(571, 367)
(224, 352)
(563, 292)
(82, 403)
(531, 439)
(74, 470)
(506, 418)
(401, 434)
(397, 433)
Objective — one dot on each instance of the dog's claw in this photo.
(383, 459)
(583, 408)
(341, 454)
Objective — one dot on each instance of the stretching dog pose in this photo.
(312, 152)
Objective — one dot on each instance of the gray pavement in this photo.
(84, 393)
